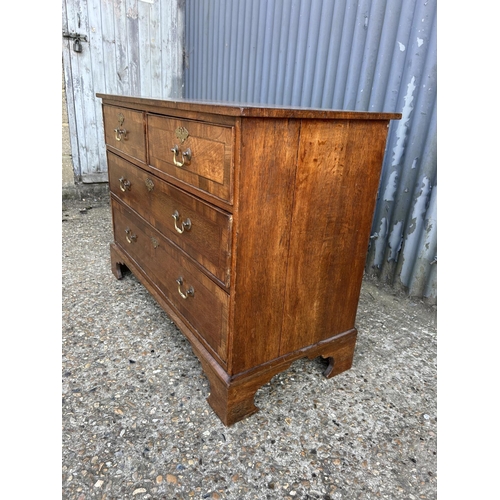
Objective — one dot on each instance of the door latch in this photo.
(77, 37)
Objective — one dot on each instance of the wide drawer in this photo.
(124, 130)
(200, 229)
(195, 296)
(203, 156)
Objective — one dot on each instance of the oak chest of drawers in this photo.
(250, 227)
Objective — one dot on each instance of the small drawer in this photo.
(124, 130)
(195, 153)
(192, 294)
(200, 229)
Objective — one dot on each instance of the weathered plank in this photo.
(135, 48)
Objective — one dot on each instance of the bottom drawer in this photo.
(194, 296)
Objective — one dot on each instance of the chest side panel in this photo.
(338, 174)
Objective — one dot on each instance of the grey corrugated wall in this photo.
(375, 55)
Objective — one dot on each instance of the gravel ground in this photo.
(136, 424)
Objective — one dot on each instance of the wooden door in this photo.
(128, 47)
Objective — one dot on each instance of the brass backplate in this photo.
(181, 133)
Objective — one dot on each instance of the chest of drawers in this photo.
(249, 225)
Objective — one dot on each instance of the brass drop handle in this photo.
(129, 236)
(124, 184)
(186, 225)
(120, 133)
(189, 291)
(186, 155)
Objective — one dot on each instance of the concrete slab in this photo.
(136, 423)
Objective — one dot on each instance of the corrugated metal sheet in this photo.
(375, 55)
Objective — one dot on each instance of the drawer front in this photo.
(204, 156)
(195, 296)
(201, 230)
(124, 130)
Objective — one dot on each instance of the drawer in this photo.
(200, 229)
(124, 130)
(204, 156)
(193, 295)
